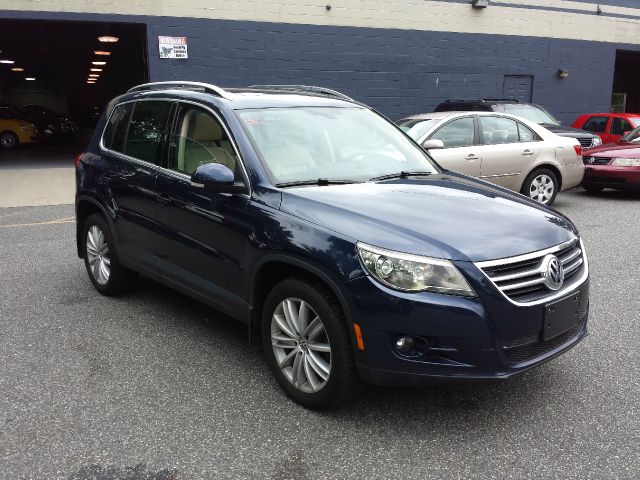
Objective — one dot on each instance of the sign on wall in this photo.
(173, 47)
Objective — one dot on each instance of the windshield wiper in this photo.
(320, 182)
(402, 174)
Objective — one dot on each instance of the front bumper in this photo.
(466, 340)
(608, 176)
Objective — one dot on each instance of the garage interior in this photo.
(626, 89)
(65, 67)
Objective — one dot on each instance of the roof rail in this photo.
(304, 89)
(207, 87)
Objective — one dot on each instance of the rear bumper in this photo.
(621, 178)
(572, 174)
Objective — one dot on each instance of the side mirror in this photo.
(431, 144)
(216, 177)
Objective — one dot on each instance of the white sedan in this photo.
(502, 149)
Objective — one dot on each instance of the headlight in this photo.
(597, 141)
(626, 162)
(413, 273)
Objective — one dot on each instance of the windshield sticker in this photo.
(255, 123)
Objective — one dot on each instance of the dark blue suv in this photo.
(330, 233)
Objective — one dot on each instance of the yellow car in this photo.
(14, 131)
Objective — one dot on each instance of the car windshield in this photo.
(416, 128)
(530, 112)
(340, 144)
(632, 137)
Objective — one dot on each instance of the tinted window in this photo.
(619, 126)
(498, 130)
(116, 130)
(147, 126)
(199, 139)
(596, 124)
(457, 133)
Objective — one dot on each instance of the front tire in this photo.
(307, 345)
(101, 258)
(9, 140)
(541, 185)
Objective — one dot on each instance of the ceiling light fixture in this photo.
(108, 39)
(29, 79)
(8, 62)
(17, 69)
(95, 75)
(98, 63)
(101, 52)
(95, 69)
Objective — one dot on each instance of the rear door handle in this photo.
(527, 152)
(471, 156)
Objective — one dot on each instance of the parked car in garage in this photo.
(502, 149)
(332, 235)
(610, 127)
(64, 124)
(530, 111)
(614, 165)
(14, 131)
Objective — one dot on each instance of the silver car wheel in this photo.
(301, 345)
(542, 188)
(98, 255)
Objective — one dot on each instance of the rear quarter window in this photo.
(115, 132)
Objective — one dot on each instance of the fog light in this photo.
(405, 344)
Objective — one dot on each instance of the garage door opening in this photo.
(626, 89)
(59, 75)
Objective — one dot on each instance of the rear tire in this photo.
(541, 185)
(592, 188)
(9, 140)
(307, 344)
(101, 258)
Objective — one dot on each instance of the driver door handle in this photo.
(527, 152)
(472, 156)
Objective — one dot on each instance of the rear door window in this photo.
(499, 130)
(596, 124)
(146, 130)
(620, 126)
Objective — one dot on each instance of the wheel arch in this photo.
(86, 206)
(272, 269)
(548, 166)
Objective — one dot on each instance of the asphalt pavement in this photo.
(154, 385)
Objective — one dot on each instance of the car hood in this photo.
(446, 216)
(623, 150)
(565, 131)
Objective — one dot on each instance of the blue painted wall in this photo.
(399, 72)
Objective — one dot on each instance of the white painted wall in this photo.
(505, 18)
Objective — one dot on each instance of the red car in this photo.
(611, 127)
(615, 165)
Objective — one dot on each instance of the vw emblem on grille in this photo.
(552, 272)
(590, 160)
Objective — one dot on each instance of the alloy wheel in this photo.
(542, 188)
(98, 255)
(301, 345)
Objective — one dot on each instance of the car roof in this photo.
(258, 96)
(431, 116)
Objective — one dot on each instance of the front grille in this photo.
(586, 142)
(523, 281)
(524, 349)
(596, 160)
